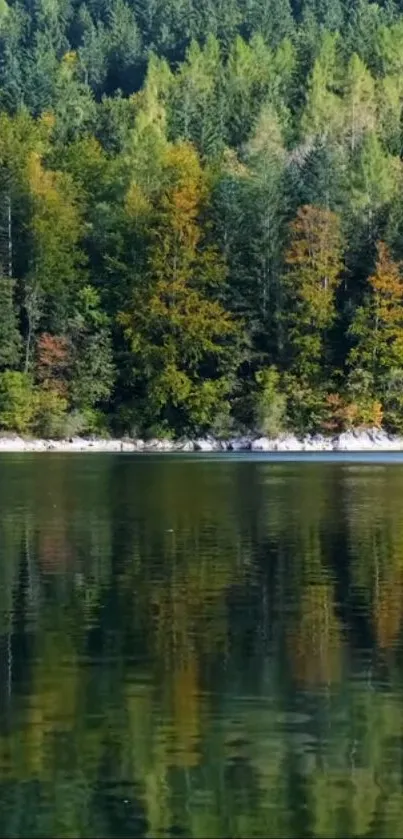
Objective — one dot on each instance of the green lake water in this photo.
(201, 646)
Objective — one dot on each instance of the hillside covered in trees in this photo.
(201, 216)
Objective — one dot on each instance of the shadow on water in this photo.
(202, 647)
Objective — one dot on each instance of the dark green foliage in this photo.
(92, 366)
(10, 338)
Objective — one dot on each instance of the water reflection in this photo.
(200, 648)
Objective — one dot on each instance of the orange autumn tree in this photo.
(314, 265)
(180, 335)
(53, 357)
(377, 329)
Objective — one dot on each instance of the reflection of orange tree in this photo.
(315, 643)
(186, 711)
(314, 635)
(192, 621)
(55, 549)
(183, 602)
(388, 609)
(376, 546)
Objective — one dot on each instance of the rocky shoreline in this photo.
(349, 441)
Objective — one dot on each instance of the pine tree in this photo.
(10, 337)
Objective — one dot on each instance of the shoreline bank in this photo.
(369, 440)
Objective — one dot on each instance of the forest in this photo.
(201, 216)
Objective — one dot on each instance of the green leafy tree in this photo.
(124, 45)
(197, 105)
(74, 106)
(12, 32)
(56, 257)
(50, 415)
(180, 336)
(314, 265)
(271, 404)
(93, 51)
(323, 114)
(371, 190)
(360, 102)
(389, 107)
(377, 330)
(17, 401)
(92, 370)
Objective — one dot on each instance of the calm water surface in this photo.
(201, 647)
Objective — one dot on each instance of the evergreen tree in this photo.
(10, 337)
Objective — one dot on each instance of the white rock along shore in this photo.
(349, 441)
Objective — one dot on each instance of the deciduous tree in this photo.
(314, 261)
(181, 338)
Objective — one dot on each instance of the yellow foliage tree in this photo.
(314, 262)
(178, 330)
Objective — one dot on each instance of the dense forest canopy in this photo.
(201, 216)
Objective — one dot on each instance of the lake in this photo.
(201, 646)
